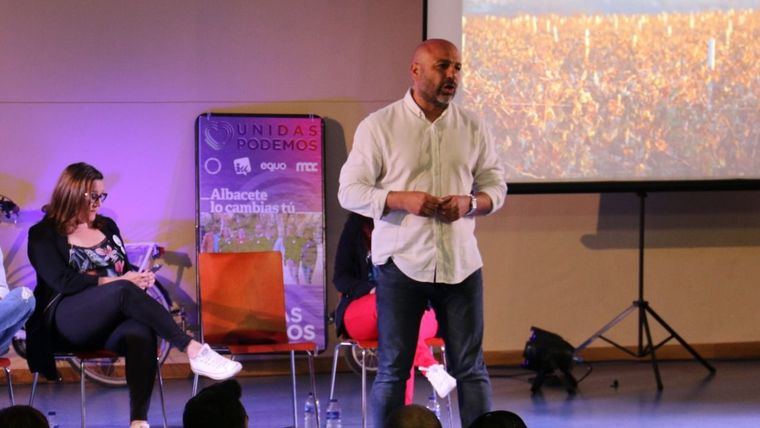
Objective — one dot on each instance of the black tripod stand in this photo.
(643, 310)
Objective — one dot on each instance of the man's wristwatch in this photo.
(473, 205)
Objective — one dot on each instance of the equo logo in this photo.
(273, 166)
(307, 167)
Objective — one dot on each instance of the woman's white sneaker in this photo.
(210, 364)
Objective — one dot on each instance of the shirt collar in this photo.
(412, 105)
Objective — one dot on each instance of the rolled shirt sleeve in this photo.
(358, 191)
(489, 173)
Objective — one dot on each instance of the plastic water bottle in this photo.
(333, 414)
(310, 412)
(52, 419)
(433, 406)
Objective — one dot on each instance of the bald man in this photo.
(423, 169)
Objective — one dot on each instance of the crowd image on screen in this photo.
(673, 95)
(297, 236)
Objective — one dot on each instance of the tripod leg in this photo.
(651, 350)
(606, 327)
(538, 381)
(680, 340)
(571, 385)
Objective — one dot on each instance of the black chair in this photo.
(94, 356)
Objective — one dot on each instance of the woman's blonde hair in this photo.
(69, 201)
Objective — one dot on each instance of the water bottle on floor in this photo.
(433, 406)
(310, 412)
(52, 419)
(333, 414)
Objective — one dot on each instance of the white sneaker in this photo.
(442, 382)
(210, 364)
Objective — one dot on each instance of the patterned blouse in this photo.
(106, 258)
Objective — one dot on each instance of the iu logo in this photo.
(307, 167)
(242, 166)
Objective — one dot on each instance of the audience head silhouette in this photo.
(22, 417)
(412, 416)
(498, 419)
(217, 405)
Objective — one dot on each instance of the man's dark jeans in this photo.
(401, 302)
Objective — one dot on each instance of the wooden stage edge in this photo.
(280, 365)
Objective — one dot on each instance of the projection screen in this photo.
(601, 91)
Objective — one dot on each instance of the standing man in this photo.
(423, 169)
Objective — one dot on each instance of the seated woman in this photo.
(356, 314)
(16, 306)
(89, 298)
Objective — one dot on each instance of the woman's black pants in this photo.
(121, 318)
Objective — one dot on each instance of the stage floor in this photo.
(691, 398)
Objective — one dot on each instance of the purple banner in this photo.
(261, 188)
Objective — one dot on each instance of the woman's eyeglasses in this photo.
(95, 197)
